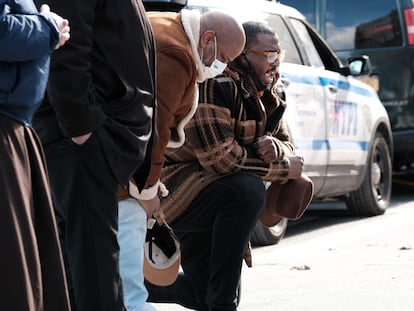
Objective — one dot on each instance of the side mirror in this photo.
(359, 66)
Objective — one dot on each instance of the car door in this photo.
(306, 112)
(346, 135)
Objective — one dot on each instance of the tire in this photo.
(268, 236)
(374, 195)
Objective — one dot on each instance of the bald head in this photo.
(223, 24)
(228, 33)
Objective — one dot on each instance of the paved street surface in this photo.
(330, 262)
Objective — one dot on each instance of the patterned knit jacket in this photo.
(220, 136)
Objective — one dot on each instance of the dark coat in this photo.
(103, 81)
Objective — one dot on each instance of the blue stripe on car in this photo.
(344, 85)
(305, 144)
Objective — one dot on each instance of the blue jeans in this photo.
(132, 228)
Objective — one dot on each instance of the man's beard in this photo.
(257, 82)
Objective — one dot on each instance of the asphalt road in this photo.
(328, 261)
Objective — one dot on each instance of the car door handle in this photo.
(333, 89)
(285, 82)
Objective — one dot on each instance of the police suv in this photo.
(336, 121)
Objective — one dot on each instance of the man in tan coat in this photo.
(190, 49)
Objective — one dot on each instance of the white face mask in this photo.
(217, 67)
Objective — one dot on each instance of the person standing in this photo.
(31, 262)
(236, 140)
(97, 127)
(191, 47)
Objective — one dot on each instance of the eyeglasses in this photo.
(272, 56)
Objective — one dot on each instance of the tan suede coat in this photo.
(176, 85)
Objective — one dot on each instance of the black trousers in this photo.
(86, 208)
(214, 232)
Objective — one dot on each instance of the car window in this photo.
(286, 41)
(367, 24)
(312, 56)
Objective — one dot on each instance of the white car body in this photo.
(336, 121)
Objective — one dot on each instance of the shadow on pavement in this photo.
(331, 212)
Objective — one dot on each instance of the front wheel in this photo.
(374, 195)
(263, 235)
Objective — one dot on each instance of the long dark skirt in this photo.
(31, 267)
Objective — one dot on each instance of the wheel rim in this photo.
(376, 180)
(379, 175)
